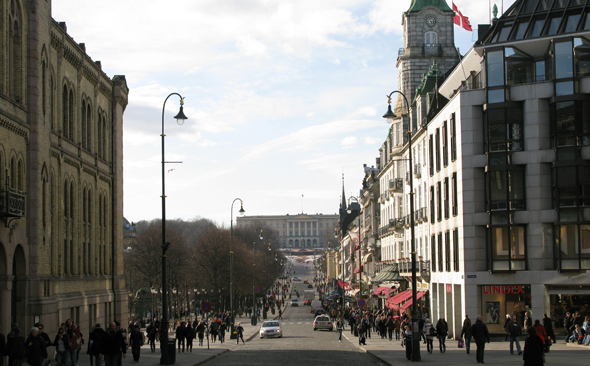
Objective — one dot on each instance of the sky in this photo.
(283, 97)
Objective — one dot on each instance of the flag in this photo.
(461, 20)
(301, 195)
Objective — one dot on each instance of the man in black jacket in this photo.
(113, 345)
(568, 321)
(515, 332)
(16, 347)
(548, 325)
(35, 346)
(480, 334)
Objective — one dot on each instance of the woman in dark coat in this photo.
(533, 349)
(190, 335)
(441, 334)
(201, 332)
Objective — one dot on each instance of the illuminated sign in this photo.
(514, 289)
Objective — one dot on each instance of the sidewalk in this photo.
(496, 353)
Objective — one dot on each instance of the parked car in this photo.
(271, 329)
(322, 322)
(307, 302)
(295, 278)
(306, 282)
(319, 311)
(295, 302)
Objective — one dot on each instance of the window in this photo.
(432, 204)
(495, 68)
(454, 199)
(440, 252)
(15, 51)
(506, 189)
(437, 147)
(554, 23)
(448, 251)
(571, 186)
(445, 147)
(519, 66)
(572, 22)
(446, 197)
(430, 38)
(572, 246)
(564, 67)
(433, 252)
(570, 124)
(504, 128)
(581, 57)
(456, 250)
(430, 154)
(507, 246)
(438, 202)
(521, 28)
(453, 138)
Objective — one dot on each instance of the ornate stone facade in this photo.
(61, 164)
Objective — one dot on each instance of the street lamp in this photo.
(231, 265)
(180, 118)
(390, 116)
(253, 318)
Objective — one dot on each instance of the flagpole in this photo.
(490, 10)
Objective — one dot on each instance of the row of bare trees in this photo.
(198, 262)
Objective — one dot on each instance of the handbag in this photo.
(461, 344)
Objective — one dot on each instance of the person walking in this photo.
(429, 331)
(533, 349)
(527, 322)
(3, 349)
(280, 313)
(240, 334)
(390, 324)
(62, 345)
(189, 335)
(94, 345)
(180, 336)
(481, 335)
(16, 348)
(548, 325)
(201, 332)
(441, 334)
(76, 340)
(507, 325)
(136, 340)
(466, 331)
(43, 335)
(113, 346)
(151, 331)
(213, 329)
(408, 342)
(339, 328)
(35, 349)
(515, 332)
(398, 326)
(222, 329)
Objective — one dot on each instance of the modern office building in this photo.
(61, 176)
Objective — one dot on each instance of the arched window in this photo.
(88, 127)
(15, 59)
(72, 201)
(71, 116)
(430, 38)
(12, 173)
(99, 135)
(64, 126)
(83, 115)
(44, 86)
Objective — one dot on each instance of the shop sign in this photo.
(515, 289)
(449, 288)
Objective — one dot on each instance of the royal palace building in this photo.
(61, 175)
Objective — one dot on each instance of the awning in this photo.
(358, 269)
(385, 276)
(408, 303)
(355, 292)
(401, 297)
(389, 292)
(379, 290)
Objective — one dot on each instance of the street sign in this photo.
(256, 289)
(361, 303)
(206, 307)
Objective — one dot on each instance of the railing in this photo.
(432, 49)
(396, 184)
(12, 203)
(400, 52)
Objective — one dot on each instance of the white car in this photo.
(295, 302)
(271, 329)
(322, 322)
(295, 278)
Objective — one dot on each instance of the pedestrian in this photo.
(95, 344)
(568, 321)
(441, 334)
(408, 342)
(361, 334)
(222, 329)
(113, 346)
(390, 324)
(515, 332)
(152, 331)
(466, 331)
(76, 340)
(533, 349)
(429, 332)
(189, 334)
(240, 334)
(382, 327)
(507, 325)
(35, 349)
(136, 340)
(397, 328)
(43, 335)
(339, 328)
(16, 347)
(62, 346)
(480, 334)
(527, 322)
(213, 328)
(201, 332)
(548, 325)
(180, 336)
(3, 349)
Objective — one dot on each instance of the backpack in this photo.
(432, 331)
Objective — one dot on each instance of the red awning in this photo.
(355, 292)
(346, 285)
(389, 292)
(356, 247)
(407, 304)
(358, 269)
(401, 297)
(379, 290)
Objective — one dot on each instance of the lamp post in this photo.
(253, 318)
(390, 116)
(180, 118)
(231, 265)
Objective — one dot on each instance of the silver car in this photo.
(271, 329)
(322, 322)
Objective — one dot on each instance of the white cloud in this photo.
(349, 142)
(372, 140)
(250, 46)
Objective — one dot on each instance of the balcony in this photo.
(422, 268)
(12, 203)
(432, 49)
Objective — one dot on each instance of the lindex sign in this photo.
(514, 289)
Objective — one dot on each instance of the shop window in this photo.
(581, 57)
(507, 248)
(573, 246)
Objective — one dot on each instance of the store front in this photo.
(499, 300)
(567, 298)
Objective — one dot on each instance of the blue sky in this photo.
(283, 97)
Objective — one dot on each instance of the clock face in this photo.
(430, 21)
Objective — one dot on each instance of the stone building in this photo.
(61, 175)
(301, 231)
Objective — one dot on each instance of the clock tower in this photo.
(428, 36)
